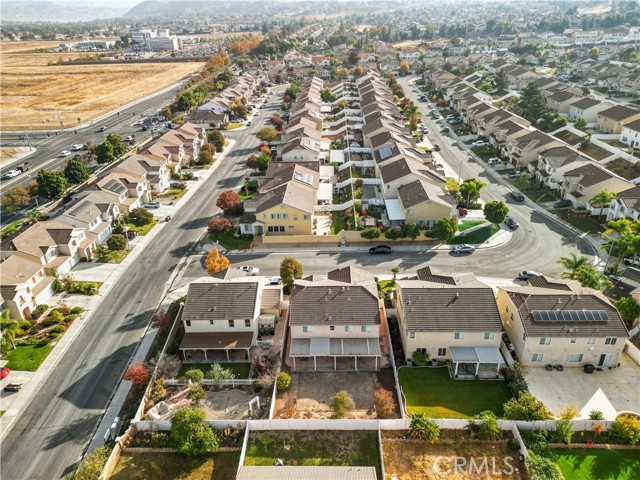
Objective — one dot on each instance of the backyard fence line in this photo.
(208, 382)
(381, 453)
(516, 434)
(392, 361)
(243, 452)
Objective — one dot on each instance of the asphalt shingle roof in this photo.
(215, 299)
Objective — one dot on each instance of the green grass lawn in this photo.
(433, 392)
(336, 223)
(11, 228)
(467, 224)
(386, 285)
(27, 357)
(143, 230)
(477, 236)
(175, 193)
(586, 224)
(245, 196)
(228, 241)
(234, 125)
(348, 448)
(112, 256)
(598, 464)
(240, 370)
(173, 466)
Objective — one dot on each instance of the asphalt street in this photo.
(51, 435)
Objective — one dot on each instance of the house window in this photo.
(545, 341)
(295, 217)
(210, 322)
(247, 322)
(188, 323)
(332, 327)
(442, 352)
(365, 328)
(412, 334)
(574, 357)
(421, 350)
(591, 341)
(489, 335)
(409, 212)
(348, 328)
(232, 323)
(610, 341)
(537, 357)
(573, 340)
(306, 217)
(307, 329)
(458, 336)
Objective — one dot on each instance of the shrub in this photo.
(290, 270)
(168, 366)
(392, 234)
(140, 217)
(117, 242)
(385, 403)
(424, 428)
(138, 374)
(370, 233)
(218, 373)
(191, 435)
(596, 415)
(563, 431)
(341, 404)
(56, 316)
(194, 375)
(58, 329)
(626, 430)
(220, 225)
(196, 393)
(70, 318)
(283, 381)
(76, 310)
(420, 358)
(485, 426)
(42, 308)
(526, 407)
(91, 466)
(159, 440)
(47, 322)
(261, 366)
(543, 468)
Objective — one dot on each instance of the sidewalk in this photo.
(16, 403)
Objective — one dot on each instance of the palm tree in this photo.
(572, 263)
(395, 271)
(622, 228)
(590, 277)
(9, 328)
(602, 198)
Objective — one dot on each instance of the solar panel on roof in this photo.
(570, 315)
(385, 152)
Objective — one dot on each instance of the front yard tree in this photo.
(580, 123)
(589, 276)
(470, 190)
(238, 110)
(404, 68)
(117, 242)
(191, 435)
(10, 329)
(92, 465)
(290, 270)
(262, 161)
(327, 95)
(138, 374)
(205, 157)
(446, 229)
(424, 428)
(267, 134)
(495, 212)
(52, 185)
(110, 149)
(140, 217)
(370, 233)
(629, 310)
(76, 171)
(526, 407)
(602, 199)
(532, 104)
(228, 199)
(16, 198)
(216, 139)
(216, 262)
(220, 225)
(572, 263)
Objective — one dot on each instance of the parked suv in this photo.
(562, 204)
(382, 249)
(511, 223)
(632, 261)
(517, 196)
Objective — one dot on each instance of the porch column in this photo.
(227, 350)
(376, 363)
(455, 371)
(314, 363)
(356, 359)
(205, 354)
(294, 363)
(335, 364)
(477, 368)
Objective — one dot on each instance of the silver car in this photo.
(463, 248)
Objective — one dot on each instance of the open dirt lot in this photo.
(309, 395)
(414, 459)
(228, 405)
(32, 91)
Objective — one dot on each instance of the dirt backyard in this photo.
(228, 404)
(310, 393)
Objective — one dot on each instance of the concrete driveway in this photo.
(610, 391)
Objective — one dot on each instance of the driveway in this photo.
(610, 391)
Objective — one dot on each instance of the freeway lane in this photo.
(50, 436)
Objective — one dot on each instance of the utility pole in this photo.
(26, 134)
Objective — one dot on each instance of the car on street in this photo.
(494, 161)
(562, 204)
(249, 123)
(511, 223)
(632, 261)
(145, 128)
(77, 147)
(480, 143)
(64, 153)
(103, 129)
(380, 249)
(436, 147)
(446, 130)
(463, 248)
(454, 121)
(517, 196)
(10, 174)
(251, 271)
(129, 138)
(273, 281)
(528, 274)
(152, 205)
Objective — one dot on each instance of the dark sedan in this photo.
(382, 249)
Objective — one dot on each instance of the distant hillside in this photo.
(184, 7)
(42, 10)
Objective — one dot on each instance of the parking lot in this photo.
(610, 391)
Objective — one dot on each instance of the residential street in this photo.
(57, 426)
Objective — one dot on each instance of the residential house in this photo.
(613, 119)
(24, 285)
(424, 203)
(554, 163)
(560, 102)
(154, 169)
(130, 191)
(581, 184)
(588, 37)
(555, 322)
(630, 134)
(450, 316)
(209, 118)
(587, 108)
(336, 322)
(524, 150)
(410, 53)
(626, 204)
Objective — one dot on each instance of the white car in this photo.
(10, 174)
(480, 143)
(129, 138)
(494, 161)
(252, 271)
(152, 205)
(273, 281)
(77, 147)
(64, 153)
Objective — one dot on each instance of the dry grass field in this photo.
(7, 153)
(34, 95)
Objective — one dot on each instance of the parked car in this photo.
(64, 153)
(131, 234)
(480, 143)
(632, 261)
(494, 161)
(273, 281)
(152, 205)
(614, 278)
(252, 271)
(129, 138)
(103, 129)
(145, 128)
(562, 204)
(454, 121)
(249, 123)
(178, 185)
(446, 130)
(24, 167)
(10, 174)
(528, 274)
(517, 196)
(77, 147)
(511, 223)
(462, 212)
(436, 147)
(4, 373)
(463, 248)
(380, 249)
(515, 175)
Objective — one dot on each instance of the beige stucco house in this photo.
(425, 203)
(613, 119)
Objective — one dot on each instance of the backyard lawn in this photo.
(173, 466)
(586, 224)
(143, 230)
(240, 370)
(598, 464)
(307, 448)
(175, 193)
(477, 236)
(27, 357)
(229, 241)
(433, 392)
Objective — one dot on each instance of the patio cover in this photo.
(325, 191)
(336, 156)
(394, 211)
(216, 341)
(334, 347)
(476, 355)
(326, 172)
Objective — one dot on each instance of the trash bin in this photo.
(588, 368)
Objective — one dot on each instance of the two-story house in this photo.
(581, 184)
(626, 204)
(425, 203)
(630, 134)
(613, 119)
(524, 150)
(130, 191)
(554, 163)
(450, 316)
(24, 285)
(335, 322)
(153, 169)
(587, 108)
(555, 322)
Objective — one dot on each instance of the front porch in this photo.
(472, 363)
